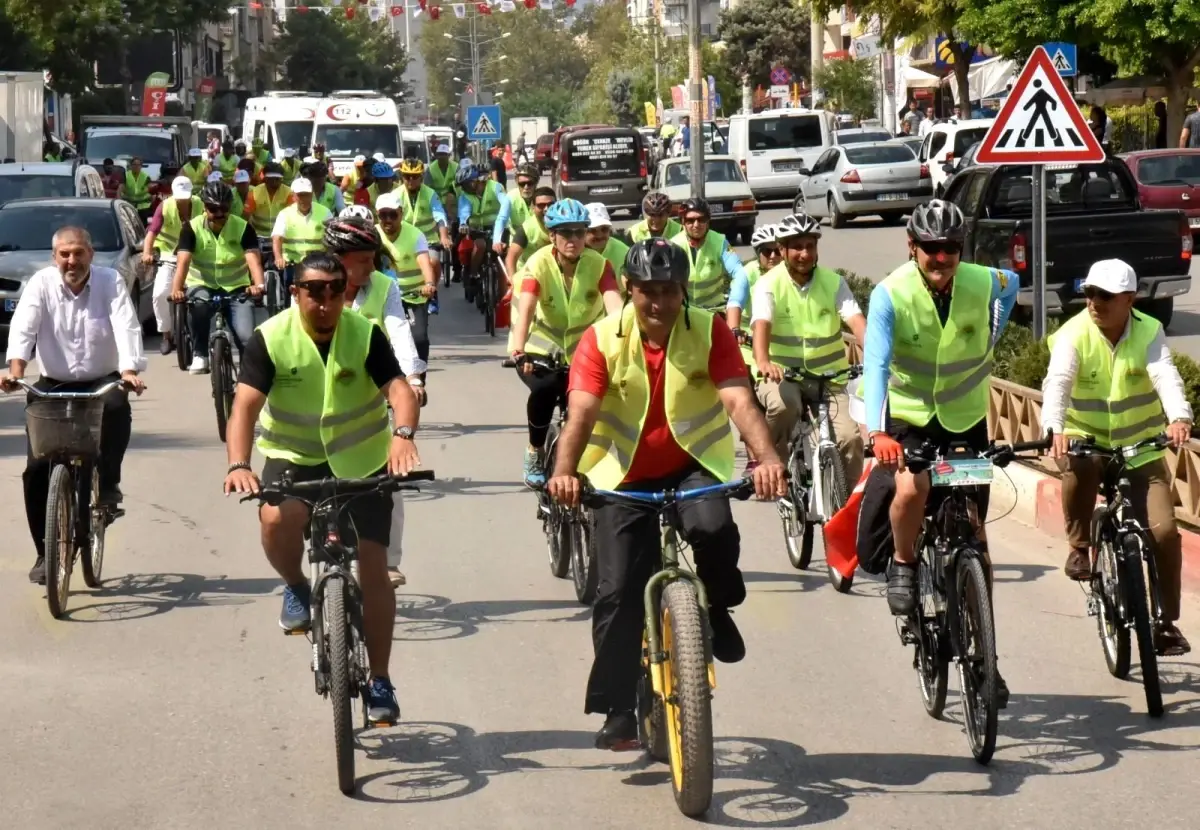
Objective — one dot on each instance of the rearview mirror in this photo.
(803, 171)
(948, 166)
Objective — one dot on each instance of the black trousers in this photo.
(419, 322)
(628, 554)
(116, 427)
(545, 390)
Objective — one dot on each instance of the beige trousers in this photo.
(783, 402)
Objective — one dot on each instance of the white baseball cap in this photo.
(289, 153)
(302, 186)
(360, 159)
(215, 176)
(599, 214)
(1112, 275)
(379, 157)
(388, 201)
(195, 153)
(310, 159)
(181, 187)
(240, 176)
(443, 148)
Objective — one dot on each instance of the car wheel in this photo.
(798, 204)
(837, 219)
(891, 218)
(1160, 310)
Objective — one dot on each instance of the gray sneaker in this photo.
(295, 615)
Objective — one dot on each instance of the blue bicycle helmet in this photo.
(467, 173)
(567, 212)
(382, 170)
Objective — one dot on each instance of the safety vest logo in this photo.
(1135, 372)
(592, 295)
(697, 378)
(968, 332)
(345, 376)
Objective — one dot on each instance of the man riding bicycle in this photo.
(423, 208)
(931, 328)
(600, 236)
(799, 310)
(408, 258)
(716, 270)
(1111, 377)
(521, 196)
(328, 419)
(565, 288)
(483, 208)
(383, 180)
(657, 221)
(224, 252)
(531, 235)
(652, 392)
(440, 175)
(326, 193)
(298, 230)
(162, 237)
(267, 200)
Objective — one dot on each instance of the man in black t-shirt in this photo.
(499, 171)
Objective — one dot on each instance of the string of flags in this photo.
(376, 11)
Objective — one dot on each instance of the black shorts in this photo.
(913, 437)
(366, 517)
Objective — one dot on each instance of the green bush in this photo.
(1021, 359)
(860, 287)
(1189, 370)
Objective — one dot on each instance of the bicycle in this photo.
(222, 373)
(339, 662)
(569, 533)
(952, 620)
(675, 690)
(275, 293)
(179, 318)
(65, 428)
(1117, 590)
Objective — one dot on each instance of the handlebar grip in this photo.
(508, 363)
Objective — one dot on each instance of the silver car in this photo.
(734, 209)
(881, 178)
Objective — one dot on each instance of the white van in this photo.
(416, 143)
(771, 146)
(352, 122)
(282, 119)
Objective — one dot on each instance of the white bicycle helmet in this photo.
(762, 235)
(357, 212)
(797, 224)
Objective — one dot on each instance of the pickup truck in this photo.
(1092, 213)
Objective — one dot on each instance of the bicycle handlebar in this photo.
(339, 488)
(741, 490)
(798, 375)
(1000, 454)
(1087, 447)
(541, 363)
(71, 395)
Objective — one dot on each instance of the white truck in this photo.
(22, 116)
(534, 126)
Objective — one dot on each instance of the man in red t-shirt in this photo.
(627, 538)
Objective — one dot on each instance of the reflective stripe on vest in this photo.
(137, 189)
(559, 322)
(329, 411)
(940, 371)
(641, 231)
(420, 214)
(303, 235)
(536, 238)
(219, 261)
(709, 284)
(485, 209)
(402, 251)
(168, 238)
(266, 209)
(1112, 397)
(806, 329)
(695, 414)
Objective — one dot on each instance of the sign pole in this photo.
(1038, 255)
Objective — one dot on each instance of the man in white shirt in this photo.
(927, 123)
(86, 332)
(1111, 377)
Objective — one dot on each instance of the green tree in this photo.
(620, 96)
(355, 53)
(560, 106)
(759, 34)
(849, 85)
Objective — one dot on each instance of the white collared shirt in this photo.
(399, 332)
(81, 336)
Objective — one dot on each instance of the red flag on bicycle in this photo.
(841, 531)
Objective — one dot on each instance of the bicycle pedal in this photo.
(295, 632)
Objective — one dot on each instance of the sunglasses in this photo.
(320, 289)
(388, 214)
(216, 213)
(935, 248)
(572, 233)
(524, 185)
(695, 220)
(1097, 295)
(542, 205)
(774, 251)
(412, 177)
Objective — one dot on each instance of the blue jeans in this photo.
(240, 317)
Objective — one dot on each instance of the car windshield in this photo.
(414, 149)
(151, 149)
(790, 132)
(31, 227)
(35, 187)
(292, 135)
(879, 154)
(1068, 187)
(360, 139)
(715, 172)
(858, 138)
(1168, 170)
(963, 139)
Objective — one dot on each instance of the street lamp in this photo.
(460, 80)
(498, 95)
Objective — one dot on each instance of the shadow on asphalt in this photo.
(431, 617)
(433, 430)
(442, 487)
(1009, 572)
(138, 596)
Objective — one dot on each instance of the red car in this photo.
(1168, 180)
(541, 152)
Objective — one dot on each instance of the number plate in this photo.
(10, 305)
(892, 197)
(965, 473)
(595, 191)
(787, 166)
(719, 207)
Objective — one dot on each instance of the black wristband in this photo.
(241, 465)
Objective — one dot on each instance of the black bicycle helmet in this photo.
(656, 203)
(272, 168)
(657, 260)
(529, 170)
(937, 221)
(347, 235)
(216, 194)
(696, 205)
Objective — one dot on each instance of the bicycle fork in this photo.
(651, 601)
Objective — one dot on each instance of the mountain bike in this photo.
(489, 285)
(569, 532)
(675, 691)
(953, 621)
(276, 296)
(222, 372)
(339, 657)
(65, 428)
(1117, 590)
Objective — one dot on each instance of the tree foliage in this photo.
(560, 106)
(620, 96)
(849, 86)
(355, 53)
(759, 34)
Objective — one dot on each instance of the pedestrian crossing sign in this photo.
(1040, 123)
(483, 123)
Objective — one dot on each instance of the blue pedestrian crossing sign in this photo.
(1062, 56)
(483, 123)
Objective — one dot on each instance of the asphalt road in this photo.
(169, 698)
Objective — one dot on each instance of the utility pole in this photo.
(816, 52)
(475, 73)
(696, 96)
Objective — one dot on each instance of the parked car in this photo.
(49, 179)
(966, 161)
(947, 141)
(1092, 213)
(771, 147)
(541, 152)
(556, 137)
(604, 164)
(28, 225)
(912, 142)
(858, 135)
(734, 210)
(1168, 179)
(880, 177)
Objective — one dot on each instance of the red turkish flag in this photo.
(422, 4)
(531, 4)
(435, 12)
(256, 5)
(397, 11)
(350, 12)
(484, 8)
(570, 3)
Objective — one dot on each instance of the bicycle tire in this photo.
(333, 617)
(92, 557)
(489, 299)
(933, 674)
(797, 529)
(273, 293)
(1139, 612)
(652, 719)
(1110, 609)
(834, 496)
(220, 371)
(59, 540)
(973, 601)
(559, 534)
(689, 716)
(583, 558)
(183, 340)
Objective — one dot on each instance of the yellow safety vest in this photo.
(708, 284)
(328, 411)
(239, 204)
(219, 262)
(641, 231)
(375, 299)
(227, 166)
(936, 371)
(137, 189)
(353, 176)
(402, 251)
(518, 211)
(615, 252)
(806, 332)
(695, 414)
(419, 212)
(559, 321)
(303, 235)
(537, 238)
(198, 176)
(753, 272)
(1112, 398)
(442, 180)
(266, 209)
(168, 238)
(289, 170)
(261, 156)
(485, 208)
(328, 197)
(373, 194)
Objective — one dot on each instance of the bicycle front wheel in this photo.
(583, 558)
(489, 300)
(977, 676)
(793, 513)
(337, 637)
(221, 372)
(183, 339)
(833, 495)
(687, 698)
(1108, 600)
(93, 554)
(1134, 579)
(59, 540)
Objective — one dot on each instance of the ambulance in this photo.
(353, 122)
(282, 119)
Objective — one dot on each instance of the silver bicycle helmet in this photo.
(762, 235)
(797, 224)
(357, 212)
(937, 221)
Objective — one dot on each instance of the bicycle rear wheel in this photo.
(92, 556)
(583, 558)
(59, 539)
(687, 698)
(273, 293)
(336, 633)
(977, 656)
(1110, 608)
(183, 339)
(221, 372)
(833, 495)
(1139, 611)
(793, 512)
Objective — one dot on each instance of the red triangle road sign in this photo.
(1040, 123)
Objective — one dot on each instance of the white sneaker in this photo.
(199, 366)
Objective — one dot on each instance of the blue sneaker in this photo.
(295, 615)
(535, 476)
(382, 708)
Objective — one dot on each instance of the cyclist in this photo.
(1111, 376)
(424, 209)
(767, 255)
(137, 188)
(931, 327)
(162, 237)
(656, 208)
(262, 156)
(290, 166)
(350, 180)
(665, 425)
(299, 230)
(414, 271)
(241, 191)
(566, 287)
(799, 310)
(483, 208)
(521, 196)
(329, 419)
(327, 194)
(383, 178)
(531, 235)
(226, 161)
(440, 175)
(224, 251)
(195, 168)
(57, 305)
(600, 239)
(716, 270)
(266, 201)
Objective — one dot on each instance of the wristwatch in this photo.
(404, 432)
